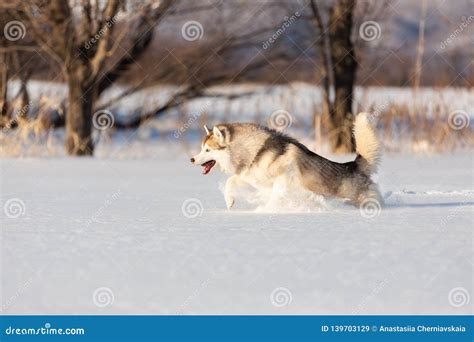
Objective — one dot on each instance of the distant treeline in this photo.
(449, 69)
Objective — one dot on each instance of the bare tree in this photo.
(201, 78)
(11, 64)
(88, 48)
(82, 45)
(5, 74)
(197, 66)
(338, 65)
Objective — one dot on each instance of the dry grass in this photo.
(399, 130)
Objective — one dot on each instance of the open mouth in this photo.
(207, 166)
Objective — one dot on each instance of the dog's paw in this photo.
(229, 201)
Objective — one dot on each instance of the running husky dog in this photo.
(264, 158)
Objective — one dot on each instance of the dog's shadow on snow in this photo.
(429, 205)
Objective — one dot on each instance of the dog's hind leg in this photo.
(230, 185)
(370, 195)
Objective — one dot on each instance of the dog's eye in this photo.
(207, 150)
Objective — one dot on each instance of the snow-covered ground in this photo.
(152, 236)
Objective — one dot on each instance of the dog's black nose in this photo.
(192, 160)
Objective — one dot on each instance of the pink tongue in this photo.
(207, 167)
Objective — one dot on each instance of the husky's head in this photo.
(213, 149)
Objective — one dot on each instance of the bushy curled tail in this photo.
(367, 145)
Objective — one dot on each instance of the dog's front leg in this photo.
(230, 185)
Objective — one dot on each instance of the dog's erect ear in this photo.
(219, 134)
(206, 129)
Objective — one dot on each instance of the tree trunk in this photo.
(418, 67)
(3, 87)
(345, 65)
(78, 140)
(324, 52)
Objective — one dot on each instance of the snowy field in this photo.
(152, 236)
